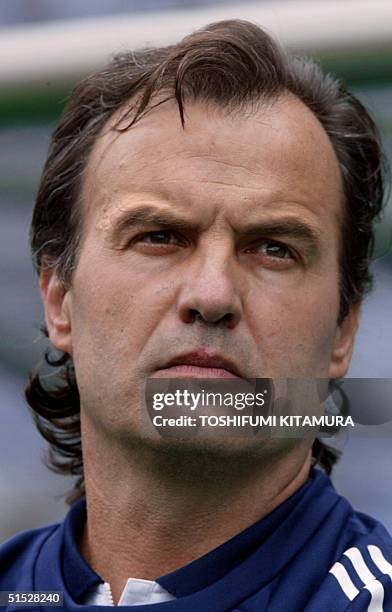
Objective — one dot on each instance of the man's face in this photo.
(221, 239)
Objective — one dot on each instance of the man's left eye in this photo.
(275, 249)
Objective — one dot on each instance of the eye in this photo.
(275, 249)
(165, 237)
(274, 253)
(158, 242)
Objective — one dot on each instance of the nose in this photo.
(210, 292)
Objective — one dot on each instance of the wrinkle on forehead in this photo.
(157, 153)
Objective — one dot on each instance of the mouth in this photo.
(199, 364)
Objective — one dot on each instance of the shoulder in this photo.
(363, 571)
(19, 554)
(364, 576)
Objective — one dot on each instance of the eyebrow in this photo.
(284, 227)
(149, 215)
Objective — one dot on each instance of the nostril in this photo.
(194, 315)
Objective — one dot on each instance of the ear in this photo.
(344, 343)
(57, 302)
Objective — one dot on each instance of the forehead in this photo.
(276, 153)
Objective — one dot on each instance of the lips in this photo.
(199, 364)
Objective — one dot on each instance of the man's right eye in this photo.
(158, 241)
(158, 237)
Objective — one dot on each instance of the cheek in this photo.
(295, 329)
(116, 311)
(113, 317)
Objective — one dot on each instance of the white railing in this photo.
(63, 51)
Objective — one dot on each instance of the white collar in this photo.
(136, 592)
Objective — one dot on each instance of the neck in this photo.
(152, 511)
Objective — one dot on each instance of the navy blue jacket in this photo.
(313, 553)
